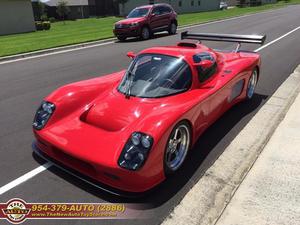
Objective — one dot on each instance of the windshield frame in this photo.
(147, 8)
(132, 64)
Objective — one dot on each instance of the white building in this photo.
(180, 6)
(16, 16)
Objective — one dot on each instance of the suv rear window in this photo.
(156, 11)
(160, 10)
(165, 9)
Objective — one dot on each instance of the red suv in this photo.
(145, 20)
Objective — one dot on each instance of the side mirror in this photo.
(206, 64)
(154, 14)
(131, 55)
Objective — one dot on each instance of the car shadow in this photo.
(199, 159)
(137, 39)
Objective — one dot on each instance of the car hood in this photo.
(100, 130)
(112, 111)
(131, 20)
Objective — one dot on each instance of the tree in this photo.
(122, 2)
(41, 10)
(62, 9)
(242, 3)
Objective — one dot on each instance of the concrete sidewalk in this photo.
(244, 187)
(270, 193)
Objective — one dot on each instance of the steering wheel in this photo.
(169, 81)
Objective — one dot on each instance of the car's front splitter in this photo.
(88, 180)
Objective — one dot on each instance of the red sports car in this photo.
(131, 129)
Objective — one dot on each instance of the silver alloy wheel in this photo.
(252, 84)
(173, 28)
(145, 33)
(177, 148)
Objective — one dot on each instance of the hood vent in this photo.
(187, 45)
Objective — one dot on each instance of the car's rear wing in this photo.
(251, 39)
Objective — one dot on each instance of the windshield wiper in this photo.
(129, 82)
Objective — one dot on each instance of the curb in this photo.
(103, 41)
(206, 201)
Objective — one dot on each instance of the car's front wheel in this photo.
(121, 38)
(252, 84)
(177, 147)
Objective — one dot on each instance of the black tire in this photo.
(145, 33)
(186, 142)
(172, 28)
(252, 83)
(121, 38)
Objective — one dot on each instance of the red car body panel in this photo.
(93, 120)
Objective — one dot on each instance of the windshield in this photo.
(140, 12)
(154, 75)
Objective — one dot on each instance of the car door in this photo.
(165, 16)
(158, 19)
(227, 88)
(154, 18)
(223, 88)
(215, 101)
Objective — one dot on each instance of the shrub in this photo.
(52, 19)
(39, 25)
(44, 17)
(63, 9)
(43, 25)
(46, 25)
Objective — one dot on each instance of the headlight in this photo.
(135, 151)
(146, 141)
(118, 25)
(43, 114)
(134, 24)
(136, 138)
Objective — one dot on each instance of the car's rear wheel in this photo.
(252, 84)
(172, 28)
(145, 33)
(177, 147)
(121, 38)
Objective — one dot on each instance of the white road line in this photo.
(44, 167)
(25, 177)
(274, 41)
(112, 42)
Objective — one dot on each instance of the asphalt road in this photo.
(23, 85)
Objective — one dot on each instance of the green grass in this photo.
(84, 30)
(201, 17)
(60, 34)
